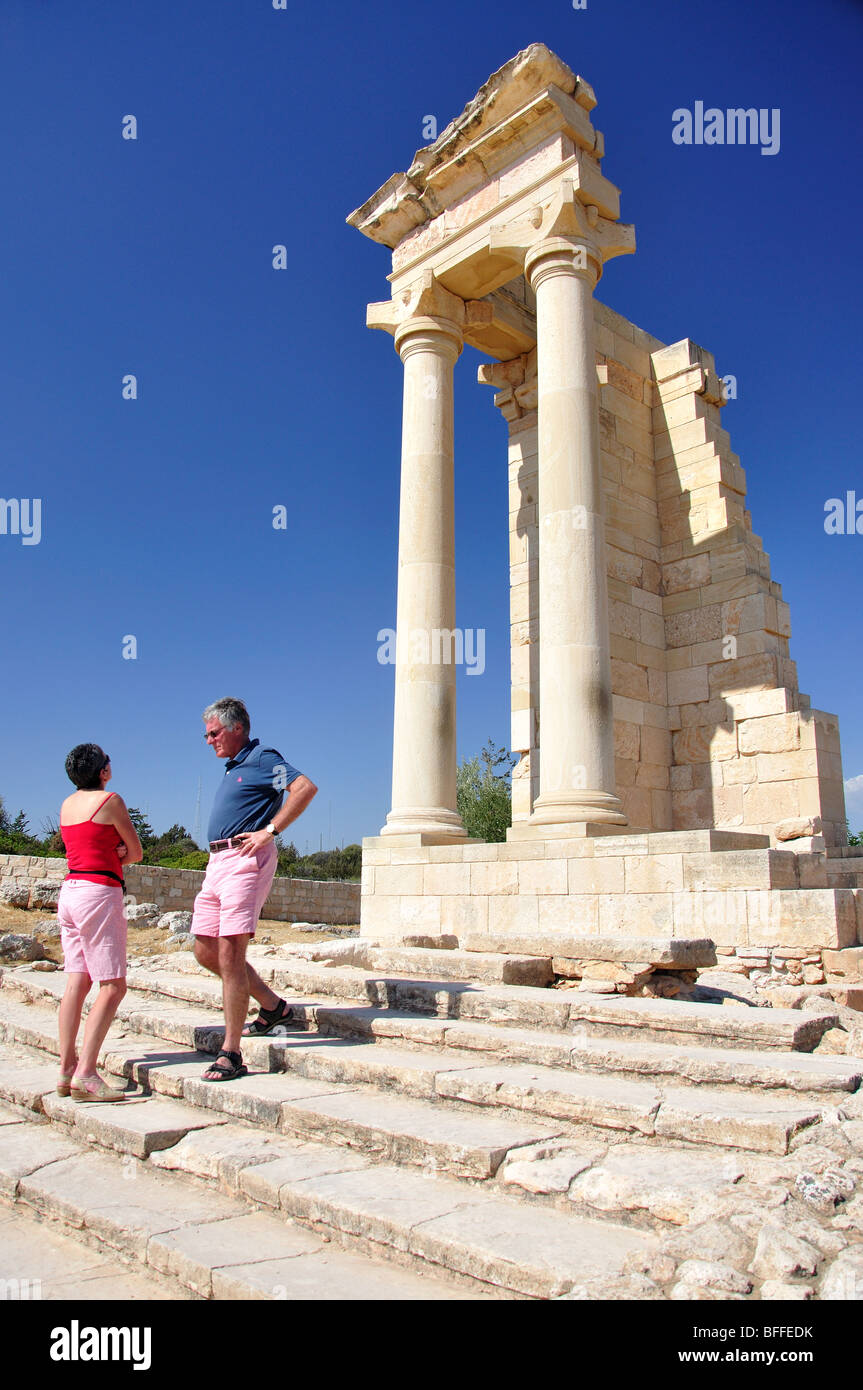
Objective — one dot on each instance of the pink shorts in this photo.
(92, 929)
(234, 890)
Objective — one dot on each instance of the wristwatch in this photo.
(271, 829)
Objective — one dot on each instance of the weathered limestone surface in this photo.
(59, 1268)
(652, 687)
(740, 1185)
(733, 892)
(682, 954)
(666, 1186)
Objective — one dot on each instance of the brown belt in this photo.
(216, 846)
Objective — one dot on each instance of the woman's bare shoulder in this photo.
(112, 808)
(73, 809)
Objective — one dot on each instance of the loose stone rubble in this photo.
(142, 914)
(175, 923)
(15, 946)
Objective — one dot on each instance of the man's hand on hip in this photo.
(253, 840)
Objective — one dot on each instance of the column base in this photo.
(437, 821)
(567, 808)
(569, 830)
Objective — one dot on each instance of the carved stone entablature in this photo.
(566, 216)
(535, 91)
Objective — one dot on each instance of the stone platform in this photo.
(728, 886)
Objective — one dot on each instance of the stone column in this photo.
(576, 728)
(424, 729)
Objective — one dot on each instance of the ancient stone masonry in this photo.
(655, 707)
(30, 881)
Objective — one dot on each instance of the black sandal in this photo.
(229, 1073)
(270, 1021)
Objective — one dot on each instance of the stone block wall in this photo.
(29, 881)
(727, 886)
(710, 727)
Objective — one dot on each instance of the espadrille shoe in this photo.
(93, 1088)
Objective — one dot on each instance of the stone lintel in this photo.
(509, 333)
(464, 258)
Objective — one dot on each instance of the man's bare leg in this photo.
(260, 992)
(235, 987)
(206, 951)
(207, 954)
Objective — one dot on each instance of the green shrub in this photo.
(484, 795)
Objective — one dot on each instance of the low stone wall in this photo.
(28, 881)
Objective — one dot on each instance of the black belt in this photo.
(103, 873)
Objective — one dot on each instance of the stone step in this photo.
(771, 1070)
(671, 953)
(633, 1037)
(763, 1123)
(488, 967)
(594, 1048)
(661, 1020)
(323, 1089)
(209, 1239)
(796, 1074)
(438, 1138)
(212, 1244)
(40, 1262)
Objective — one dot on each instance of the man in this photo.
(248, 813)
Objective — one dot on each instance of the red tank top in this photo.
(92, 850)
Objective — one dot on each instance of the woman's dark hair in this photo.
(83, 766)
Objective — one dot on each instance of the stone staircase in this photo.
(446, 1133)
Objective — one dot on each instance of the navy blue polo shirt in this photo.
(251, 791)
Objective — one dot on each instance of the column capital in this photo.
(569, 220)
(560, 255)
(427, 308)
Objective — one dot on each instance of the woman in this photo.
(99, 838)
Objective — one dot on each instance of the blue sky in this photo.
(260, 388)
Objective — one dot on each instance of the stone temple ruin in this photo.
(674, 784)
(517, 1083)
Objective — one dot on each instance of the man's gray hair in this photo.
(228, 712)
